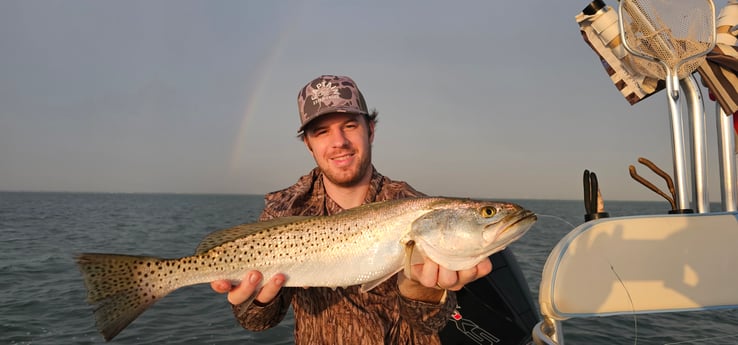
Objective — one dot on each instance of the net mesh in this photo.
(670, 31)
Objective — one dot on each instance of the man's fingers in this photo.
(463, 277)
(469, 275)
(270, 290)
(243, 291)
(434, 275)
(250, 286)
(221, 286)
(484, 268)
(448, 279)
(429, 275)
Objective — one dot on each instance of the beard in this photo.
(350, 176)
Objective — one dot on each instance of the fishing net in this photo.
(675, 33)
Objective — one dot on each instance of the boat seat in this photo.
(641, 264)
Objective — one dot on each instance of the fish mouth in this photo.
(523, 216)
(522, 219)
(517, 218)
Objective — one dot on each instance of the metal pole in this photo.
(646, 26)
(693, 97)
(726, 146)
(677, 143)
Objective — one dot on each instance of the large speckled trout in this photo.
(362, 246)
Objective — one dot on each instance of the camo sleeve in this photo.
(427, 317)
(258, 317)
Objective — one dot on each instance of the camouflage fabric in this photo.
(329, 94)
(344, 315)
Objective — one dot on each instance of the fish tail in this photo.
(120, 288)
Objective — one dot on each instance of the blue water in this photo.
(42, 296)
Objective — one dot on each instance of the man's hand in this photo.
(429, 275)
(249, 285)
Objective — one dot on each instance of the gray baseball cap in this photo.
(329, 94)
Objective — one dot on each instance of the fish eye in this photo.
(488, 211)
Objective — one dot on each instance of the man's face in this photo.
(341, 146)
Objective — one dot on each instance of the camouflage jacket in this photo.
(344, 315)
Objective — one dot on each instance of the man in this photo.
(338, 131)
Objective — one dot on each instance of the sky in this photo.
(483, 99)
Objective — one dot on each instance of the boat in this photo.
(682, 261)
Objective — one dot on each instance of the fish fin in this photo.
(409, 249)
(368, 286)
(116, 292)
(413, 255)
(418, 256)
(219, 237)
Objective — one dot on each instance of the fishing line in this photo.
(556, 217)
(632, 306)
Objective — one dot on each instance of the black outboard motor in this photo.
(496, 309)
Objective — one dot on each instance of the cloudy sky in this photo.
(493, 99)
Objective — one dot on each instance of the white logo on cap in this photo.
(323, 92)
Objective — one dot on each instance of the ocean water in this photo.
(42, 295)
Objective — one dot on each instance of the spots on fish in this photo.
(121, 287)
(277, 244)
